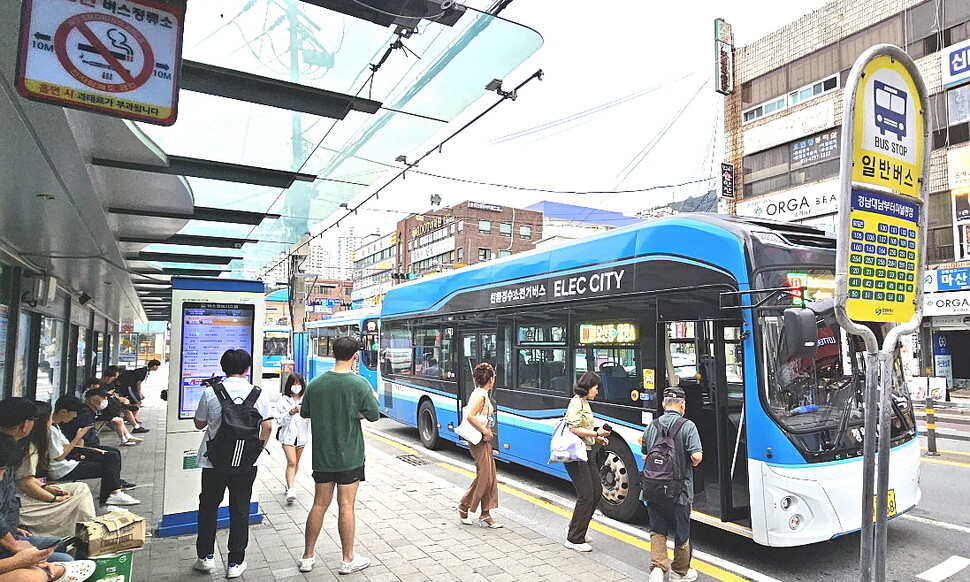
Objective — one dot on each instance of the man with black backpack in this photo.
(238, 421)
(671, 449)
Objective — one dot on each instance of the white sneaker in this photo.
(690, 576)
(584, 547)
(656, 575)
(121, 498)
(356, 565)
(130, 443)
(291, 497)
(306, 564)
(235, 570)
(589, 539)
(206, 564)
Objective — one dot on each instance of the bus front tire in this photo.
(428, 427)
(621, 483)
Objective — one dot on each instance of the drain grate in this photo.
(412, 459)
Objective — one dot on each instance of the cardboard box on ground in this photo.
(112, 532)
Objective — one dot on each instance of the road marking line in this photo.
(944, 570)
(711, 565)
(942, 524)
(942, 462)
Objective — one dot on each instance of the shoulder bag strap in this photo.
(221, 392)
(253, 396)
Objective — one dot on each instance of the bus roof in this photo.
(344, 317)
(717, 241)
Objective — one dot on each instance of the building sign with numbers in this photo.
(887, 151)
(117, 57)
(883, 258)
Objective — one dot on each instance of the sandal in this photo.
(463, 516)
(487, 521)
(76, 571)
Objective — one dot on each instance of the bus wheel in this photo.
(621, 483)
(428, 427)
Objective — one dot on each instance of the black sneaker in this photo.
(126, 485)
(139, 430)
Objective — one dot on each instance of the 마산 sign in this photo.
(887, 149)
(117, 57)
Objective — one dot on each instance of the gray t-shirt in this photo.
(689, 441)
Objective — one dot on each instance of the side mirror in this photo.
(801, 332)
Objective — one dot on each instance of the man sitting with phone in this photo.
(77, 453)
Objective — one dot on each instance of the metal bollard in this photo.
(930, 428)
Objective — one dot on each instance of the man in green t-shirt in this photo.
(335, 401)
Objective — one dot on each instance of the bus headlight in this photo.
(786, 502)
(795, 522)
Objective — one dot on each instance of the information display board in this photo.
(208, 330)
(882, 258)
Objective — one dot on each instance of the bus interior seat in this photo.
(616, 382)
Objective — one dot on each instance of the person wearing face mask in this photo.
(81, 442)
(292, 429)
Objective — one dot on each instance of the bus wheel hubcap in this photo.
(616, 479)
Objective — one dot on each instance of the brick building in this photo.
(465, 234)
(783, 123)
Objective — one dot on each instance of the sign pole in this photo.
(881, 258)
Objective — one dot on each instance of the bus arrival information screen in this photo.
(208, 330)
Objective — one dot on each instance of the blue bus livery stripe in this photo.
(909, 443)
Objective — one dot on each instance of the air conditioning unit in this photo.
(39, 290)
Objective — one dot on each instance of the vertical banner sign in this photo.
(723, 57)
(116, 58)
(727, 180)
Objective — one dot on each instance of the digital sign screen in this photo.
(208, 330)
(607, 333)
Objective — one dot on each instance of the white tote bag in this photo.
(467, 430)
(565, 445)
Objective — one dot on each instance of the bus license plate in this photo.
(890, 504)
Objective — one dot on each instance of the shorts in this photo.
(339, 477)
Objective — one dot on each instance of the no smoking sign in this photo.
(119, 58)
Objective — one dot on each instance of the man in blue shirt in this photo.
(667, 517)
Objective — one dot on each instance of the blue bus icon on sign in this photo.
(890, 109)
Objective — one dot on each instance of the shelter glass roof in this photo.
(442, 71)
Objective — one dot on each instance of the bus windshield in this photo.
(275, 344)
(819, 400)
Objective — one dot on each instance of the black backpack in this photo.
(663, 468)
(236, 445)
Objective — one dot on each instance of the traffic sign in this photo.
(118, 58)
(887, 149)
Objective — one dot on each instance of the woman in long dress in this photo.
(483, 492)
(47, 509)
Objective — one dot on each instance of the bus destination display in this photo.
(208, 330)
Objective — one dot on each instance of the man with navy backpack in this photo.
(671, 448)
(238, 423)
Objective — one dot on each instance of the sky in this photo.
(626, 102)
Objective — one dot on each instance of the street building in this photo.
(783, 117)
(562, 223)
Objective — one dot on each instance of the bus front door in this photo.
(476, 347)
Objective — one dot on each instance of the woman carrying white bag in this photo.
(478, 413)
(584, 473)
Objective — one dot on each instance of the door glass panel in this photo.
(683, 350)
(469, 357)
(618, 369)
(49, 358)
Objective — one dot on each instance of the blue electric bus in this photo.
(697, 301)
(363, 324)
(276, 348)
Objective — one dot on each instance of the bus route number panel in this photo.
(883, 258)
(208, 330)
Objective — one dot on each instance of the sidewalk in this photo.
(406, 524)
